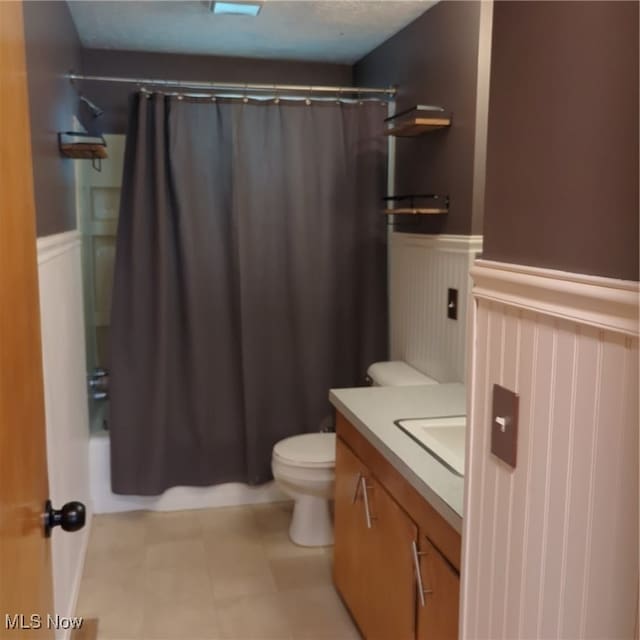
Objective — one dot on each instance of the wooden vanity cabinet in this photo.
(372, 555)
(350, 554)
(438, 617)
(379, 521)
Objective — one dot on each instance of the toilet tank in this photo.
(396, 374)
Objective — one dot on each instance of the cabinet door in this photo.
(438, 618)
(391, 588)
(350, 563)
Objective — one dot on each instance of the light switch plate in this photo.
(504, 425)
(452, 304)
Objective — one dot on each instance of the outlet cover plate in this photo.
(504, 425)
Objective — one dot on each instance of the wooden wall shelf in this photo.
(83, 146)
(416, 204)
(417, 126)
(417, 120)
(84, 151)
(415, 212)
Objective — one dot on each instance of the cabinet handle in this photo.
(357, 488)
(365, 495)
(416, 564)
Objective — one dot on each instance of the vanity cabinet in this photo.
(388, 541)
(438, 617)
(373, 552)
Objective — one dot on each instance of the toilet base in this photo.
(311, 524)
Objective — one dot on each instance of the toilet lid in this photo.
(309, 450)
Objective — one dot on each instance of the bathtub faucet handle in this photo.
(98, 382)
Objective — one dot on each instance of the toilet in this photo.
(304, 466)
(396, 373)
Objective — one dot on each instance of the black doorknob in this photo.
(71, 517)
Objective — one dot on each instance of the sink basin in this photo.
(442, 437)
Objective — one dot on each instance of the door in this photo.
(350, 566)
(438, 617)
(373, 562)
(25, 563)
(392, 586)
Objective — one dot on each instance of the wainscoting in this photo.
(67, 420)
(421, 269)
(551, 548)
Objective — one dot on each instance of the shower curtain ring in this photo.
(276, 99)
(308, 99)
(246, 91)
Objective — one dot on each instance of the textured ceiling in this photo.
(329, 30)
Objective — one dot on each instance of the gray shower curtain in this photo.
(250, 278)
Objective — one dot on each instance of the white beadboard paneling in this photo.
(551, 547)
(421, 269)
(67, 422)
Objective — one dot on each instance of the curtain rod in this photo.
(235, 86)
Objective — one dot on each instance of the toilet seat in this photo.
(309, 450)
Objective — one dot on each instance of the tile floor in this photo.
(226, 574)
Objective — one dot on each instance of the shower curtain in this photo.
(250, 278)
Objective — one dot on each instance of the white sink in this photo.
(442, 437)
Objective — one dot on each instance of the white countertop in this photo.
(372, 411)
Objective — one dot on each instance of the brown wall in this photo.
(562, 157)
(52, 49)
(434, 60)
(113, 98)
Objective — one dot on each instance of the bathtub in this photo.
(175, 499)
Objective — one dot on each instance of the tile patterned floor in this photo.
(224, 574)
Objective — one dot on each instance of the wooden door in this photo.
(392, 586)
(350, 555)
(25, 563)
(438, 618)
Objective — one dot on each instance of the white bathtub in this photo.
(176, 499)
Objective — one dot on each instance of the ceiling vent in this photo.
(235, 8)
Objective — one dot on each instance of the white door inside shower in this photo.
(98, 203)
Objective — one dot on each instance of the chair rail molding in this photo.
(605, 303)
(50, 247)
